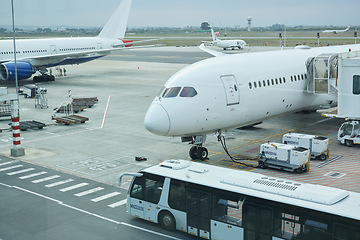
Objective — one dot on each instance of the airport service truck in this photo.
(318, 146)
(349, 133)
(284, 157)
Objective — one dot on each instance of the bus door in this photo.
(257, 222)
(198, 213)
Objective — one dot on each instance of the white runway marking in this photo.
(89, 191)
(9, 168)
(117, 204)
(73, 187)
(21, 171)
(32, 175)
(45, 179)
(7, 163)
(98, 199)
(59, 183)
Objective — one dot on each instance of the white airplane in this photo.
(337, 31)
(39, 54)
(230, 91)
(225, 44)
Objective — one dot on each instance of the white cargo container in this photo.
(284, 157)
(318, 146)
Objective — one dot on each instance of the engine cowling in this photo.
(24, 70)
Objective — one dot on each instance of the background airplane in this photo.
(230, 91)
(39, 54)
(225, 44)
(337, 31)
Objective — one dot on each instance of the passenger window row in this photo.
(275, 81)
(76, 49)
(18, 52)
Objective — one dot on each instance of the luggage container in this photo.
(318, 146)
(284, 157)
(349, 133)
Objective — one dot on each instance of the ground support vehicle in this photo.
(349, 133)
(220, 203)
(30, 90)
(284, 157)
(318, 146)
(84, 102)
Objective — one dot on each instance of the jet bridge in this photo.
(337, 74)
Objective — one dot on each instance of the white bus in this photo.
(220, 203)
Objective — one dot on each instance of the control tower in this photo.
(249, 24)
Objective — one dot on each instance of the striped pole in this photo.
(16, 150)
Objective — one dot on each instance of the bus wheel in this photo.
(167, 220)
(323, 157)
(349, 143)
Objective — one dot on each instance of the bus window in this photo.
(147, 188)
(287, 226)
(228, 208)
(315, 230)
(177, 195)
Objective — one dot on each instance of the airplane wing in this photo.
(65, 58)
(210, 51)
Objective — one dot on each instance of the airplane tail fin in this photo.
(115, 27)
(213, 35)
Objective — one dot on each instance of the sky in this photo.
(172, 13)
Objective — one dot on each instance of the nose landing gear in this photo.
(197, 151)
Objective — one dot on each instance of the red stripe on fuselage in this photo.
(127, 41)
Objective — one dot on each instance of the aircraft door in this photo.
(231, 89)
(53, 49)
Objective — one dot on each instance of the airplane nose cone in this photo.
(157, 120)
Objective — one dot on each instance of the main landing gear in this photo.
(44, 78)
(197, 151)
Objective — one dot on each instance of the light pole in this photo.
(16, 150)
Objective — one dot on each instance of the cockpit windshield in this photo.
(170, 92)
(174, 91)
(188, 92)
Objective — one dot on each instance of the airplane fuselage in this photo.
(236, 90)
(229, 44)
(31, 50)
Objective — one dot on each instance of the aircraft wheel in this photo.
(262, 164)
(202, 153)
(224, 48)
(299, 170)
(192, 152)
(349, 143)
(52, 78)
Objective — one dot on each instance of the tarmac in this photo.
(125, 84)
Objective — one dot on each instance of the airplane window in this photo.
(294, 77)
(268, 82)
(272, 81)
(302, 76)
(264, 84)
(250, 86)
(280, 80)
(299, 77)
(188, 92)
(171, 92)
(259, 84)
(284, 80)
(276, 81)
(255, 85)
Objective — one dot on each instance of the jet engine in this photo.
(24, 70)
